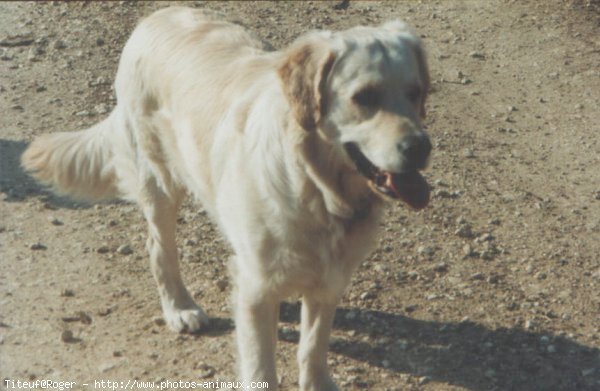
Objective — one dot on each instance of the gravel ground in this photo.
(495, 286)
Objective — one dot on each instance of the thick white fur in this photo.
(256, 137)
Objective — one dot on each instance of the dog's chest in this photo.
(323, 256)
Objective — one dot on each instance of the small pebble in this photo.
(105, 311)
(367, 295)
(530, 324)
(493, 279)
(529, 269)
(38, 246)
(59, 44)
(205, 370)
(424, 380)
(426, 250)
(477, 55)
(486, 237)
(487, 255)
(6, 55)
(84, 317)
(468, 153)
(222, 284)
(55, 221)
(381, 268)
(410, 308)
(67, 293)
(34, 53)
(190, 242)
(107, 367)
(125, 249)
(464, 231)
(477, 276)
(103, 249)
(158, 320)
(443, 193)
(468, 250)
(67, 336)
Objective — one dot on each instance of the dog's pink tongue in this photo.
(411, 188)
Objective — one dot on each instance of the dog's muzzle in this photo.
(408, 185)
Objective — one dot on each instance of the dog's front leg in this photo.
(256, 319)
(315, 327)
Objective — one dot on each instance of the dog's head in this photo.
(363, 90)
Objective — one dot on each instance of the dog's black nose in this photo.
(415, 149)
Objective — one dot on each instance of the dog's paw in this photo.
(188, 320)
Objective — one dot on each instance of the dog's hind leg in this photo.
(315, 327)
(181, 313)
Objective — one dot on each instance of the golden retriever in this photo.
(292, 153)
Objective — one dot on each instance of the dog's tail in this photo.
(78, 164)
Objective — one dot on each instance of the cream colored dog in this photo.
(290, 152)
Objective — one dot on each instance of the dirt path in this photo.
(496, 286)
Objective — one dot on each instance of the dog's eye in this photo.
(414, 94)
(368, 97)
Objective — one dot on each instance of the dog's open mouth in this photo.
(409, 187)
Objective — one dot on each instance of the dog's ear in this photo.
(423, 73)
(303, 75)
(407, 35)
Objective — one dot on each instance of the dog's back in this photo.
(179, 67)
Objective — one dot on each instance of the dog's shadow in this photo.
(17, 186)
(463, 354)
